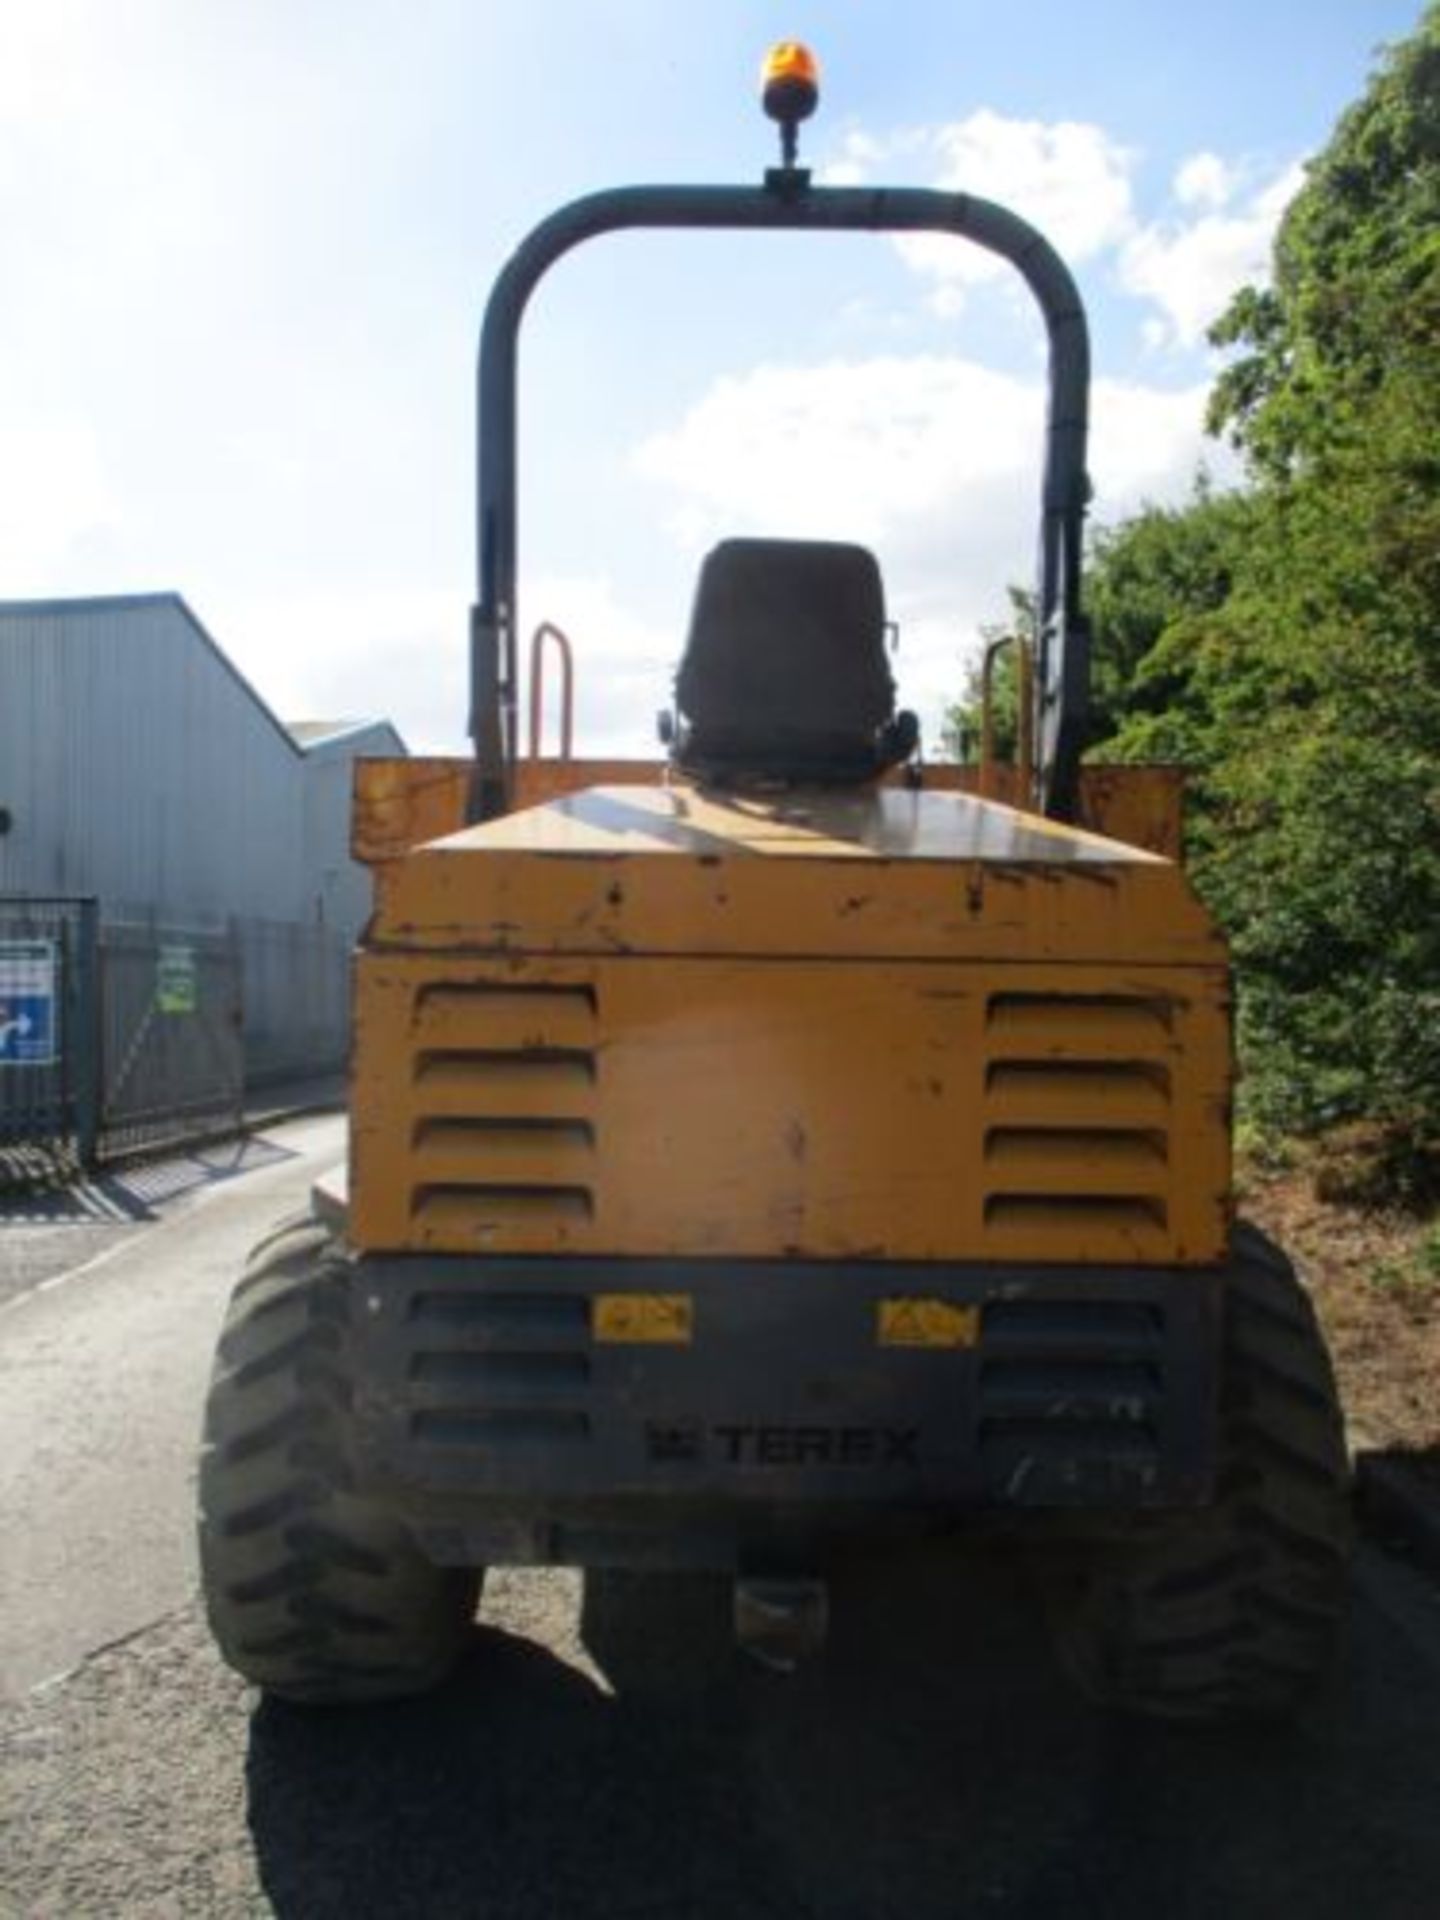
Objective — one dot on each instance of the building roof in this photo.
(314, 736)
(300, 737)
(304, 731)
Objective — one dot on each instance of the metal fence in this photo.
(297, 999)
(172, 1057)
(116, 1036)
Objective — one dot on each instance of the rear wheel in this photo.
(1232, 1611)
(314, 1591)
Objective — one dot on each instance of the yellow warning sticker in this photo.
(926, 1323)
(643, 1319)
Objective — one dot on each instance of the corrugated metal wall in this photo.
(342, 888)
(136, 764)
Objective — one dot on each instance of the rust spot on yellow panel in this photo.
(484, 1016)
(1143, 806)
(644, 871)
(400, 804)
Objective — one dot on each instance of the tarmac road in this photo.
(103, 1369)
(603, 1751)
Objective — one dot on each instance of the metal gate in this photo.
(172, 1044)
(113, 1039)
(49, 1037)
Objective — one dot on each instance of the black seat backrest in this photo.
(784, 675)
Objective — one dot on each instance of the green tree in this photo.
(1355, 295)
(964, 722)
(1156, 583)
(1325, 778)
(1284, 642)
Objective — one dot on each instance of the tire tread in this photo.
(1234, 1611)
(315, 1592)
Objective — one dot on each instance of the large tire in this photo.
(314, 1591)
(1233, 1611)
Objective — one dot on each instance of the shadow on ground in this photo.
(132, 1194)
(1398, 1490)
(932, 1765)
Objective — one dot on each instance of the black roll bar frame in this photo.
(787, 202)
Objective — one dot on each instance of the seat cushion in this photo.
(784, 672)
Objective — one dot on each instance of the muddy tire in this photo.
(314, 1591)
(1231, 1612)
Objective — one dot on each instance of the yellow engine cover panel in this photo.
(833, 876)
(868, 1109)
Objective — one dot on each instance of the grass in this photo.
(1412, 1275)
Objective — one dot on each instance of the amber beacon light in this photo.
(789, 90)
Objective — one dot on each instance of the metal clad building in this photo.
(137, 764)
(340, 888)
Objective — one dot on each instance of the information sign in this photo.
(29, 1029)
(177, 986)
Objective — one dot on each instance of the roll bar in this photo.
(787, 202)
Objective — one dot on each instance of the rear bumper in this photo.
(495, 1415)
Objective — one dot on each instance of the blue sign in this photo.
(29, 972)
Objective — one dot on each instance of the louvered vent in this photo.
(504, 1370)
(1077, 1123)
(1065, 1391)
(504, 1092)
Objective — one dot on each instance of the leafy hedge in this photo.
(1284, 642)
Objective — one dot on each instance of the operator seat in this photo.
(784, 678)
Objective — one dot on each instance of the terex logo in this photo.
(773, 1446)
(818, 1446)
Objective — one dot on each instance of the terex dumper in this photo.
(783, 1155)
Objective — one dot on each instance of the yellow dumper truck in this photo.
(782, 1151)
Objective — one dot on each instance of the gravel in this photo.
(607, 1753)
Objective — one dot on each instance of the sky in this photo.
(247, 245)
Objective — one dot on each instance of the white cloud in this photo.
(932, 460)
(339, 652)
(1190, 268)
(1067, 177)
(403, 653)
(45, 72)
(857, 450)
(897, 449)
(1204, 180)
(236, 351)
(1147, 443)
(624, 667)
(56, 502)
(1076, 183)
(859, 155)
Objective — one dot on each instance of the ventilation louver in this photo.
(1077, 1111)
(504, 1096)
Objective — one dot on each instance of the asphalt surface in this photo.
(603, 1751)
(103, 1368)
(47, 1232)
